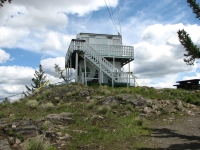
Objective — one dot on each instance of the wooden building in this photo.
(192, 84)
(98, 58)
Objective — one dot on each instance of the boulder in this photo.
(84, 93)
(147, 110)
(4, 145)
(110, 101)
(138, 103)
(63, 118)
(98, 97)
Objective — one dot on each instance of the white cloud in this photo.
(197, 76)
(80, 7)
(159, 52)
(39, 26)
(34, 20)
(17, 75)
(9, 37)
(56, 43)
(48, 64)
(4, 56)
(14, 78)
(48, 67)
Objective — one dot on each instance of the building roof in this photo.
(99, 34)
(191, 80)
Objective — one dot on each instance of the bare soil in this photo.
(174, 132)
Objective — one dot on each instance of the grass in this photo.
(95, 125)
(37, 143)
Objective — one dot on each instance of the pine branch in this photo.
(2, 2)
(195, 7)
(58, 69)
(192, 50)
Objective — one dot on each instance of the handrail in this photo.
(114, 50)
(94, 56)
(98, 57)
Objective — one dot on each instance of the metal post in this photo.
(113, 72)
(85, 69)
(102, 77)
(127, 80)
(68, 74)
(70, 69)
(129, 73)
(134, 82)
(66, 71)
(76, 67)
(100, 72)
(112, 80)
(114, 61)
(82, 77)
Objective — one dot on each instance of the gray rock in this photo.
(110, 101)
(98, 97)
(65, 137)
(155, 107)
(17, 141)
(147, 110)
(138, 103)
(29, 129)
(4, 145)
(11, 140)
(84, 93)
(59, 118)
(124, 97)
(51, 135)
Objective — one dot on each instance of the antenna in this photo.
(111, 15)
(119, 22)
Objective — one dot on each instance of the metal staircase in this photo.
(97, 60)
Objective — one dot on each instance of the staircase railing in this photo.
(100, 62)
(75, 45)
(114, 50)
(94, 56)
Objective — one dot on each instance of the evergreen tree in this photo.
(59, 70)
(2, 1)
(38, 80)
(193, 52)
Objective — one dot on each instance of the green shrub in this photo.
(3, 115)
(37, 143)
(90, 105)
(32, 104)
(102, 110)
(48, 106)
(164, 112)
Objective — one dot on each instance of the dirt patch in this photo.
(176, 133)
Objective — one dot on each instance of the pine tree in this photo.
(59, 70)
(193, 52)
(38, 80)
(3, 1)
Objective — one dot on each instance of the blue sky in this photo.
(34, 32)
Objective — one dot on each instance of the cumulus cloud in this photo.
(80, 7)
(48, 64)
(15, 75)
(42, 22)
(159, 52)
(4, 56)
(14, 78)
(56, 42)
(9, 36)
(196, 76)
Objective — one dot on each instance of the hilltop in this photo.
(83, 117)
